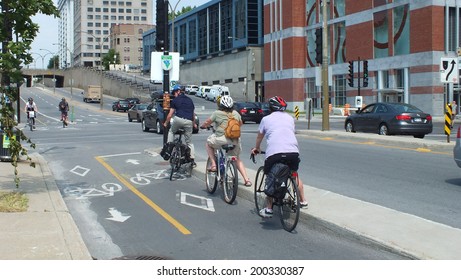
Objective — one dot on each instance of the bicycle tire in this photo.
(259, 195)
(290, 207)
(31, 124)
(231, 182)
(175, 161)
(211, 180)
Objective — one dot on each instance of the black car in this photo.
(153, 117)
(121, 105)
(249, 111)
(265, 107)
(133, 101)
(390, 118)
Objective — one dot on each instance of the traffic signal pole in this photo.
(325, 92)
(166, 73)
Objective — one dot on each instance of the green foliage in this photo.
(17, 32)
(108, 58)
(182, 11)
(53, 63)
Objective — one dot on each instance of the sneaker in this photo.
(266, 213)
(192, 162)
(303, 204)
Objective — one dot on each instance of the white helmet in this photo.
(226, 102)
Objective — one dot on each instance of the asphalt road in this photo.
(124, 205)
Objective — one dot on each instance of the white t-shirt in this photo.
(279, 130)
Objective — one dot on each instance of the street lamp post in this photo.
(54, 69)
(101, 43)
(173, 11)
(43, 66)
(247, 69)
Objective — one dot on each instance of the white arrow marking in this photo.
(117, 215)
(133, 161)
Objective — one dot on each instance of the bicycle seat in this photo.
(180, 131)
(228, 147)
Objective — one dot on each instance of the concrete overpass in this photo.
(117, 84)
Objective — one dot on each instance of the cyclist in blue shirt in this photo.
(182, 110)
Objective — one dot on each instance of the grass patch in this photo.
(13, 202)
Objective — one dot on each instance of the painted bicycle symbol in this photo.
(145, 178)
(107, 190)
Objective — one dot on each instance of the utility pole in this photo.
(325, 89)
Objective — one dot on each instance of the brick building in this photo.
(402, 40)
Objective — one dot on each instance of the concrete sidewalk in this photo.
(46, 231)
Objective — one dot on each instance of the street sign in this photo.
(449, 70)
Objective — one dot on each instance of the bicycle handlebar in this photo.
(252, 156)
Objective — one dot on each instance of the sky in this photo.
(48, 34)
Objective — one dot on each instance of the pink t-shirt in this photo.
(279, 130)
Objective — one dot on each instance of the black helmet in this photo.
(277, 103)
(30, 99)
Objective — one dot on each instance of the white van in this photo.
(203, 91)
(217, 90)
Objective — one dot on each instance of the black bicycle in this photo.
(288, 205)
(179, 159)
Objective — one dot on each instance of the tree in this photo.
(16, 19)
(53, 62)
(178, 13)
(108, 58)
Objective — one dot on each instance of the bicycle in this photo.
(225, 174)
(30, 120)
(289, 205)
(64, 119)
(178, 157)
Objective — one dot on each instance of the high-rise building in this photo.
(84, 27)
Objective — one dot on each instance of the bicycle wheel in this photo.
(231, 182)
(211, 180)
(175, 160)
(31, 124)
(260, 196)
(289, 206)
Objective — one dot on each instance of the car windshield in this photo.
(123, 102)
(142, 107)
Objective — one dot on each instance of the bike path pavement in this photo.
(46, 231)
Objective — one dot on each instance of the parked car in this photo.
(265, 107)
(133, 101)
(249, 111)
(390, 119)
(217, 90)
(121, 105)
(203, 90)
(457, 148)
(153, 116)
(191, 89)
(135, 112)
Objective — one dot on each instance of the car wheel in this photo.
(383, 130)
(159, 127)
(143, 126)
(350, 127)
(130, 119)
(421, 136)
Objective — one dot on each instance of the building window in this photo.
(339, 30)
(340, 91)
(192, 36)
(401, 30)
(89, 24)
(105, 17)
(113, 10)
(128, 17)
(89, 16)
(113, 17)
(128, 11)
(120, 3)
(143, 18)
(105, 10)
(120, 17)
(381, 35)
(143, 11)
(202, 33)
(128, 4)
(136, 18)
(105, 2)
(214, 28)
(98, 10)
(90, 9)
(121, 11)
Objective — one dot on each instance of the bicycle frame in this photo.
(177, 159)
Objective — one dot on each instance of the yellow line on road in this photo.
(149, 202)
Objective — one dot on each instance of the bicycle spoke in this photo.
(289, 206)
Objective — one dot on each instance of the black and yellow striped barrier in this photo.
(448, 114)
(296, 112)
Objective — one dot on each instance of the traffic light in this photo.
(365, 73)
(160, 26)
(350, 77)
(318, 45)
